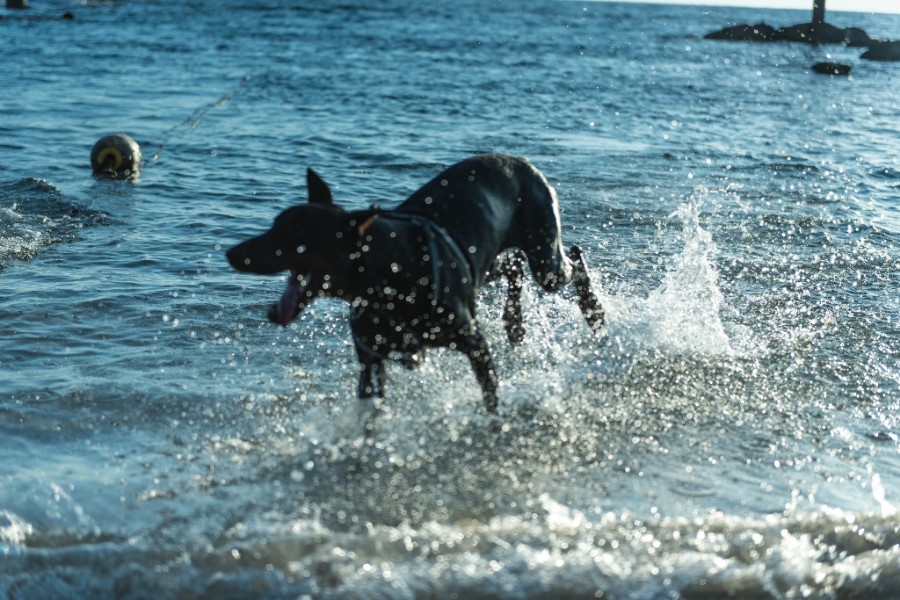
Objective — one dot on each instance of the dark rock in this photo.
(806, 33)
(830, 68)
(744, 33)
(883, 50)
(822, 33)
(856, 37)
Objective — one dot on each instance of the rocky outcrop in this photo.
(857, 38)
(883, 50)
(744, 33)
(823, 33)
(807, 33)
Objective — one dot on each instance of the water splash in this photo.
(878, 492)
(34, 214)
(683, 315)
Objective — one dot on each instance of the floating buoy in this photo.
(116, 156)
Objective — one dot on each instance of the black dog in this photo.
(411, 274)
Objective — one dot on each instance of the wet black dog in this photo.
(411, 274)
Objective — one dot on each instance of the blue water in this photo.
(734, 431)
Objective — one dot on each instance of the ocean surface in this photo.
(732, 433)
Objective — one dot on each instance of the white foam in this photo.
(14, 530)
(558, 551)
(19, 240)
(552, 550)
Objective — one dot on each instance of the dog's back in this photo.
(491, 202)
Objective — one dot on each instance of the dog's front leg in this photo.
(474, 346)
(511, 266)
(372, 380)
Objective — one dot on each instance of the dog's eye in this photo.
(301, 249)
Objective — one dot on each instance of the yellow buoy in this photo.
(116, 156)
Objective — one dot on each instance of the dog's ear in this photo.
(317, 190)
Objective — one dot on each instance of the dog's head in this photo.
(313, 241)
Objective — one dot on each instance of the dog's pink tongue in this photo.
(289, 304)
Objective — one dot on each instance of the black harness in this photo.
(434, 234)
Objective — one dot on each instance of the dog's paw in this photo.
(357, 423)
(593, 314)
(368, 413)
(496, 424)
(411, 360)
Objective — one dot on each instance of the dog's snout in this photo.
(241, 258)
(237, 258)
(256, 256)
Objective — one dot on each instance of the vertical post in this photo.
(818, 17)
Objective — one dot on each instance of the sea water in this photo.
(733, 431)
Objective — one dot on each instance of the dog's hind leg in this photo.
(473, 346)
(371, 392)
(512, 266)
(512, 311)
(587, 300)
(372, 380)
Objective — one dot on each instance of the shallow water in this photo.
(733, 431)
